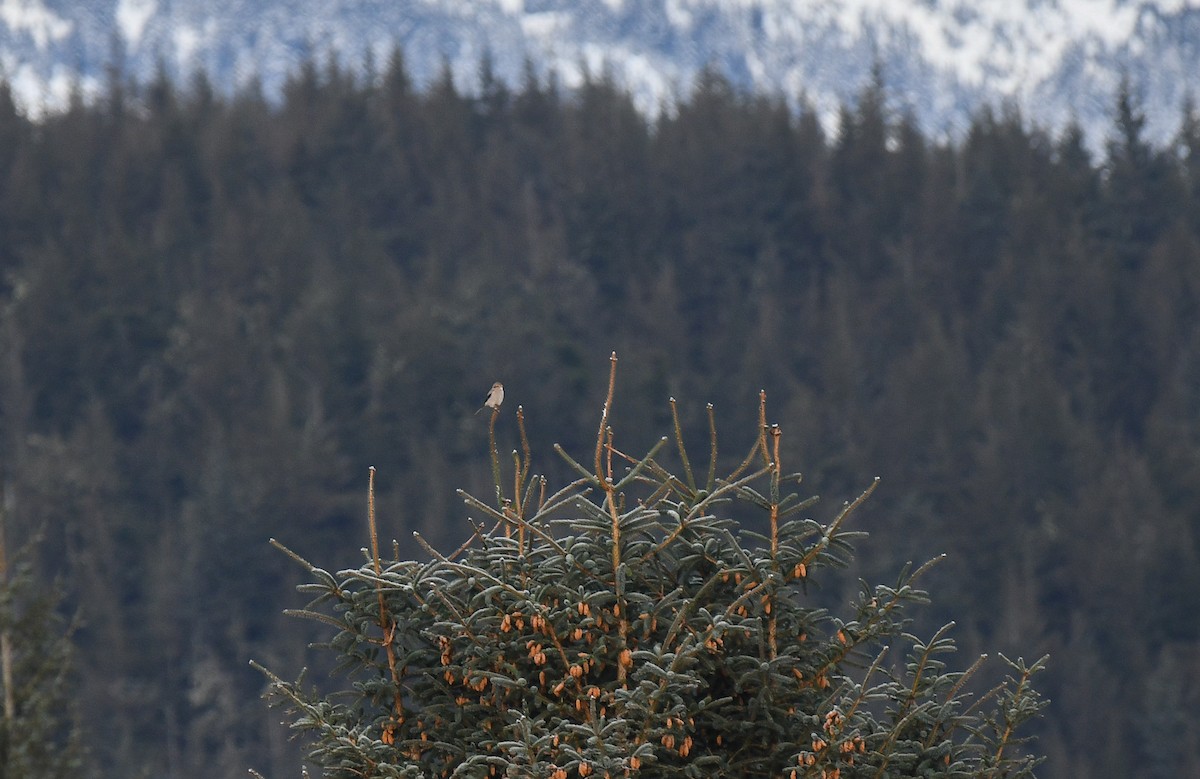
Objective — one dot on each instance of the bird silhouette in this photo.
(494, 397)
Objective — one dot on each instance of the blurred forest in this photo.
(216, 312)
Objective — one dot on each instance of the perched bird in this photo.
(494, 397)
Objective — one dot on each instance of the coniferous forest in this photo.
(217, 312)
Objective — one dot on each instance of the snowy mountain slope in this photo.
(941, 59)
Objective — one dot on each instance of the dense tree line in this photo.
(217, 311)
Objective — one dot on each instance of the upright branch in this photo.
(687, 466)
(773, 493)
(759, 448)
(513, 510)
(386, 623)
(605, 478)
(608, 449)
(1020, 702)
(372, 529)
(711, 481)
(522, 493)
(495, 457)
(603, 441)
(699, 649)
(776, 475)
(604, 412)
(527, 457)
(762, 427)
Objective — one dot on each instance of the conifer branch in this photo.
(513, 511)
(604, 435)
(536, 484)
(309, 567)
(608, 450)
(847, 509)
(316, 616)
(1012, 713)
(386, 623)
(760, 444)
(690, 609)
(525, 451)
(772, 616)
(762, 426)
(863, 685)
(541, 494)
(694, 512)
(612, 381)
(495, 455)
(712, 449)
(538, 627)
(640, 465)
(372, 529)
(663, 481)
(927, 649)
(954, 693)
(571, 461)
(471, 500)
(725, 486)
(468, 570)
(687, 466)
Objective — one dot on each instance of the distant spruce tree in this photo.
(39, 737)
(626, 626)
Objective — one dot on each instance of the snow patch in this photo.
(132, 18)
(32, 17)
(1005, 45)
(678, 14)
(187, 42)
(544, 24)
(38, 94)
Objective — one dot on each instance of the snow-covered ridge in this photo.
(32, 18)
(1058, 59)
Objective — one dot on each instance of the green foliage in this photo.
(39, 737)
(626, 625)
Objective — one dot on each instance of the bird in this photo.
(494, 397)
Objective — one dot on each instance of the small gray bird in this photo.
(494, 397)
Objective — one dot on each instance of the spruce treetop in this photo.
(625, 625)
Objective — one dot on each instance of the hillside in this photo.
(217, 313)
(942, 59)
